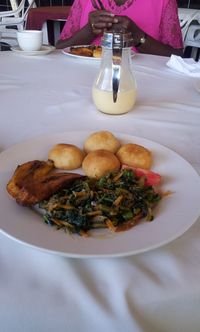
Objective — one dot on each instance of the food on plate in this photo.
(97, 52)
(66, 156)
(88, 51)
(101, 140)
(117, 201)
(36, 180)
(116, 191)
(24, 174)
(135, 155)
(151, 178)
(81, 51)
(99, 162)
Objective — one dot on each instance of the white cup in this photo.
(30, 40)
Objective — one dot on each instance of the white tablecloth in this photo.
(155, 291)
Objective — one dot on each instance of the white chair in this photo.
(190, 27)
(186, 17)
(13, 20)
(192, 40)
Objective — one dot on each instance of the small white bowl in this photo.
(30, 40)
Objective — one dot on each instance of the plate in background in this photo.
(66, 51)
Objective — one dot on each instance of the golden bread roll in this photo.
(97, 52)
(101, 140)
(100, 162)
(66, 156)
(135, 155)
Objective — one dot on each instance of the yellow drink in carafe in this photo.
(103, 101)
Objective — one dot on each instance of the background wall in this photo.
(195, 4)
(53, 2)
(5, 4)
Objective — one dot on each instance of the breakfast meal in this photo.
(116, 188)
(87, 51)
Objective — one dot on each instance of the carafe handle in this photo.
(116, 71)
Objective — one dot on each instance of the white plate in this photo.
(67, 52)
(46, 49)
(173, 216)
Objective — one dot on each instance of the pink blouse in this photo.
(158, 18)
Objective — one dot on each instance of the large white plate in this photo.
(66, 51)
(46, 49)
(173, 216)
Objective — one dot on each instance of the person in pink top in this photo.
(154, 24)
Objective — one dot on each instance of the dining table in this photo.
(153, 286)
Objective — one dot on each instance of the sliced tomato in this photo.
(152, 178)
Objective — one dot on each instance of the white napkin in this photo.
(186, 66)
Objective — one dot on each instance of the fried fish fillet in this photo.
(88, 51)
(37, 180)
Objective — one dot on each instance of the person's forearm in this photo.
(82, 37)
(152, 46)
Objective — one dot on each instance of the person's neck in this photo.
(120, 2)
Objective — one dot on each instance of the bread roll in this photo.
(66, 156)
(101, 140)
(97, 52)
(135, 155)
(100, 162)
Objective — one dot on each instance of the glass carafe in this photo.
(114, 90)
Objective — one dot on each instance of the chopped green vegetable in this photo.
(114, 201)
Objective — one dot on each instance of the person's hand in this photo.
(125, 24)
(101, 20)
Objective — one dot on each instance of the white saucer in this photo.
(45, 49)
